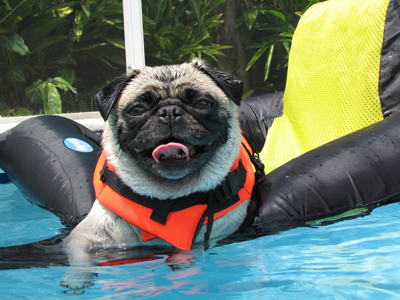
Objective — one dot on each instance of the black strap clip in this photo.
(258, 165)
(103, 176)
(161, 210)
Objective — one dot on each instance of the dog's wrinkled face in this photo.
(171, 127)
(169, 123)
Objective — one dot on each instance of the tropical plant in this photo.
(76, 46)
(25, 29)
(56, 55)
(45, 47)
(176, 31)
(46, 92)
(267, 26)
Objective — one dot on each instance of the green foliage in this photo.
(46, 92)
(56, 55)
(76, 45)
(13, 42)
(267, 27)
(176, 31)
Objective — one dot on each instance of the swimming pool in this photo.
(353, 259)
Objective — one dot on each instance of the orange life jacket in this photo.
(181, 226)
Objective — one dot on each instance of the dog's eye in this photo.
(203, 104)
(137, 111)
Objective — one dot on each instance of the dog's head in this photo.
(172, 130)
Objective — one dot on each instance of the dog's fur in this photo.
(136, 108)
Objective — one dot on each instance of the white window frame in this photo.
(133, 30)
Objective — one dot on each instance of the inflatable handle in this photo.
(256, 117)
(357, 170)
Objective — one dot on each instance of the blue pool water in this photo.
(353, 259)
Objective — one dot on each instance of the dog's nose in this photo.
(170, 114)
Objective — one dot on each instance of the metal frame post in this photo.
(133, 31)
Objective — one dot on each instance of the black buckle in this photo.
(231, 186)
(103, 176)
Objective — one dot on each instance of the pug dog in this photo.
(170, 132)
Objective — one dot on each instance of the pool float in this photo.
(330, 143)
(51, 160)
(334, 146)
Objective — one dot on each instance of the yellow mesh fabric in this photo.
(333, 75)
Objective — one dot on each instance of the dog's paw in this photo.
(76, 280)
(76, 288)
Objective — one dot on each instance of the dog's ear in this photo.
(106, 98)
(231, 86)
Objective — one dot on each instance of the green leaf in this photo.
(68, 74)
(106, 21)
(64, 61)
(275, 13)
(86, 9)
(22, 111)
(269, 27)
(247, 93)
(90, 47)
(160, 55)
(299, 13)
(239, 21)
(286, 44)
(13, 42)
(250, 16)
(268, 62)
(201, 38)
(49, 41)
(28, 8)
(209, 54)
(51, 99)
(5, 110)
(164, 30)
(159, 10)
(257, 55)
(77, 30)
(35, 28)
(196, 8)
(148, 20)
(28, 67)
(70, 99)
(118, 58)
(4, 29)
(61, 83)
(106, 58)
(287, 34)
(188, 37)
(213, 4)
(163, 42)
(8, 7)
(121, 26)
(34, 93)
(16, 74)
(116, 41)
(97, 29)
(209, 24)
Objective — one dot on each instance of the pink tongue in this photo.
(169, 150)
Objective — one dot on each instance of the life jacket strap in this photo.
(258, 165)
(229, 189)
